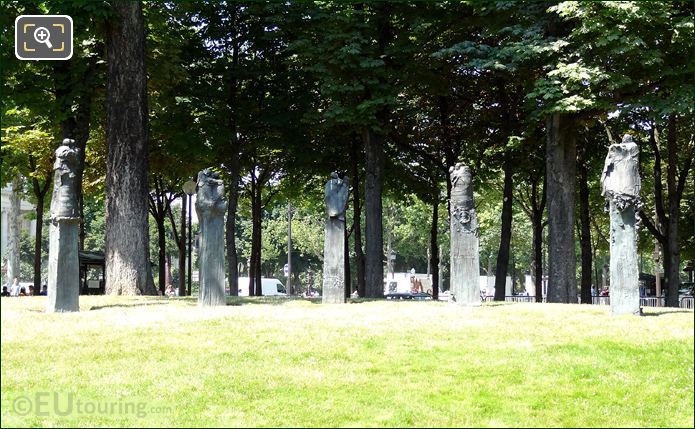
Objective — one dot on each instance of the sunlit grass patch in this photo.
(267, 362)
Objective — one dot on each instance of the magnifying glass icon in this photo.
(42, 35)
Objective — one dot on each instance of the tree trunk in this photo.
(672, 262)
(506, 233)
(81, 134)
(374, 269)
(232, 258)
(434, 247)
(259, 262)
(538, 255)
(161, 257)
(127, 166)
(252, 255)
(585, 233)
(37, 246)
(357, 220)
(189, 249)
(560, 169)
(14, 226)
(346, 259)
(668, 210)
(256, 242)
(182, 247)
(673, 240)
(537, 208)
(234, 164)
(40, 195)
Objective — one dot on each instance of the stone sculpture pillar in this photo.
(210, 206)
(334, 242)
(465, 272)
(63, 258)
(620, 182)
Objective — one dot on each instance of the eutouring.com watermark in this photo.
(46, 404)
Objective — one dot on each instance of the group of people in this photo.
(17, 290)
(604, 291)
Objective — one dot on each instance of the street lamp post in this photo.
(391, 261)
(189, 189)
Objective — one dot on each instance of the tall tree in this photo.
(532, 200)
(159, 204)
(668, 201)
(13, 230)
(584, 225)
(373, 139)
(353, 59)
(506, 235)
(611, 52)
(561, 155)
(127, 184)
(29, 151)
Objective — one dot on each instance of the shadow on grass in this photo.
(502, 303)
(662, 312)
(244, 300)
(268, 300)
(186, 301)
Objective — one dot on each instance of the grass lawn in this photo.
(262, 362)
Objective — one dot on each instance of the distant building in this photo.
(487, 286)
(530, 286)
(27, 224)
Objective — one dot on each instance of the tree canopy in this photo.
(276, 96)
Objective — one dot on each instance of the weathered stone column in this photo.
(621, 186)
(334, 242)
(63, 259)
(465, 271)
(210, 206)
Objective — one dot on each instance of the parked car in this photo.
(686, 289)
(269, 286)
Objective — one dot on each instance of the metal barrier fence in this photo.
(652, 301)
(520, 298)
(511, 298)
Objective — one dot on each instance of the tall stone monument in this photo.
(63, 258)
(210, 206)
(620, 182)
(334, 242)
(465, 272)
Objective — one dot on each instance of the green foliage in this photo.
(26, 256)
(285, 91)
(27, 148)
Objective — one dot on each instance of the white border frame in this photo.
(72, 40)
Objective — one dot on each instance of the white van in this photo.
(271, 287)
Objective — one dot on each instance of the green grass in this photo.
(264, 362)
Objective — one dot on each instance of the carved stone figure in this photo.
(337, 190)
(621, 184)
(465, 273)
(620, 180)
(63, 258)
(210, 206)
(336, 198)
